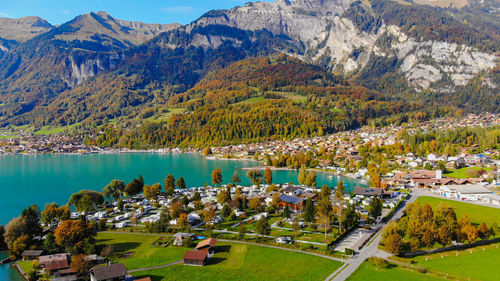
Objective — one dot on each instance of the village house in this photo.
(198, 258)
(56, 262)
(295, 203)
(207, 245)
(31, 254)
(113, 272)
(358, 190)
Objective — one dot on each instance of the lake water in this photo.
(41, 179)
(8, 273)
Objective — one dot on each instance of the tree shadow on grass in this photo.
(126, 246)
(153, 277)
(223, 249)
(101, 240)
(214, 260)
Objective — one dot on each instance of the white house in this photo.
(464, 192)
(492, 199)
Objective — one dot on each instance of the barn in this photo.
(198, 258)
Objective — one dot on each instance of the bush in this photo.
(349, 252)
(378, 262)
(108, 251)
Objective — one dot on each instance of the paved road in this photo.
(154, 267)
(371, 249)
(267, 236)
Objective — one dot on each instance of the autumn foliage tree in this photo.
(268, 176)
(217, 176)
(72, 234)
(152, 192)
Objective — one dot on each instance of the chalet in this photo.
(198, 258)
(368, 191)
(293, 190)
(113, 272)
(180, 236)
(311, 195)
(55, 262)
(295, 203)
(31, 254)
(207, 245)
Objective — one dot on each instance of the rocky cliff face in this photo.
(331, 39)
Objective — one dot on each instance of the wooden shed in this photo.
(207, 245)
(198, 258)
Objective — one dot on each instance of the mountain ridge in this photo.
(415, 52)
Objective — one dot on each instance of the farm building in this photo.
(198, 258)
(113, 272)
(207, 245)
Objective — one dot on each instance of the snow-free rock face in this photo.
(23, 29)
(82, 71)
(330, 39)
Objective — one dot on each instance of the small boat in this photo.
(330, 177)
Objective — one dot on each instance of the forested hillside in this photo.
(354, 62)
(253, 100)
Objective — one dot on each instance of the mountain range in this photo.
(96, 68)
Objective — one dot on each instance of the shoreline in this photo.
(262, 168)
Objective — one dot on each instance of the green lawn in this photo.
(246, 262)
(290, 95)
(462, 173)
(477, 213)
(144, 255)
(480, 265)
(26, 266)
(368, 271)
(49, 130)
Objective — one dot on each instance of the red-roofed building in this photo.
(207, 245)
(194, 257)
(55, 262)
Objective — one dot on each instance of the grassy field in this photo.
(368, 271)
(477, 213)
(143, 253)
(234, 261)
(462, 173)
(290, 95)
(478, 265)
(26, 266)
(166, 116)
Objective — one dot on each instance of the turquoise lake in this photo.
(8, 273)
(41, 179)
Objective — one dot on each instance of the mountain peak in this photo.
(107, 30)
(103, 14)
(23, 29)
